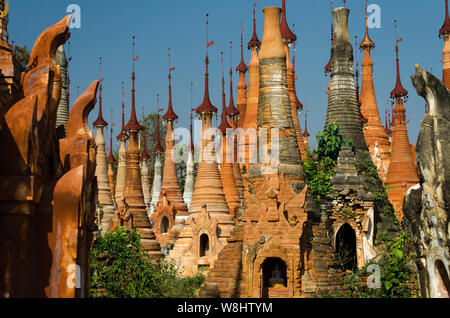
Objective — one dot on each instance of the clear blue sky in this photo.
(107, 27)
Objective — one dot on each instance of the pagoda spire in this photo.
(232, 112)
(144, 153)
(242, 86)
(399, 91)
(402, 173)
(133, 124)
(123, 134)
(444, 32)
(170, 115)
(206, 106)
(286, 32)
(224, 125)
(254, 42)
(100, 122)
(298, 103)
(306, 133)
(208, 205)
(111, 161)
(327, 68)
(158, 148)
(191, 140)
(376, 136)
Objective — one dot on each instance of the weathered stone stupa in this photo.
(106, 205)
(444, 32)
(190, 167)
(290, 39)
(157, 179)
(170, 204)
(248, 143)
(227, 157)
(209, 224)
(402, 173)
(425, 207)
(342, 104)
(122, 165)
(145, 159)
(374, 133)
(133, 199)
(111, 161)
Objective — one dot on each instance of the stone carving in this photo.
(426, 204)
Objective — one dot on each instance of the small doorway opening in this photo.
(204, 245)
(164, 225)
(346, 247)
(273, 274)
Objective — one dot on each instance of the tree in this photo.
(120, 268)
(22, 53)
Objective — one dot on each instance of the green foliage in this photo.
(22, 53)
(330, 141)
(318, 175)
(373, 184)
(121, 269)
(396, 279)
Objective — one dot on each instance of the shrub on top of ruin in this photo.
(330, 141)
(120, 268)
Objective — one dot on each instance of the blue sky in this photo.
(107, 27)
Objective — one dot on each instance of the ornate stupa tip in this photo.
(170, 114)
(100, 122)
(133, 124)
(286, 33)
(242, 67)
(445, 29)
(111, 158)
(231, 110)
(206, 106)
(144, 153)
(399, 91)
(297, 102)
(123, 135)
(224, 125)
(158, 147)
(367, 42)
(254, 42)
(327, 68)
(306, 133)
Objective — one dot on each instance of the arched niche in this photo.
(274, 275)
(204, 245)
(164, 225)
(345, 246)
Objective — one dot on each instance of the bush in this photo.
(318, 173)
(121, 269)
(330, 141)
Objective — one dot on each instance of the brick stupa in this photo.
(105, 200)
(262, 258)
(111, 161)
(375, 135)
(209, 224)
(402, 173)
(145, 159)
(227, 158)
(157, 178)
(122, 164)
(171, 203)
(133, 195)
(290, 39)
(248, 143)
